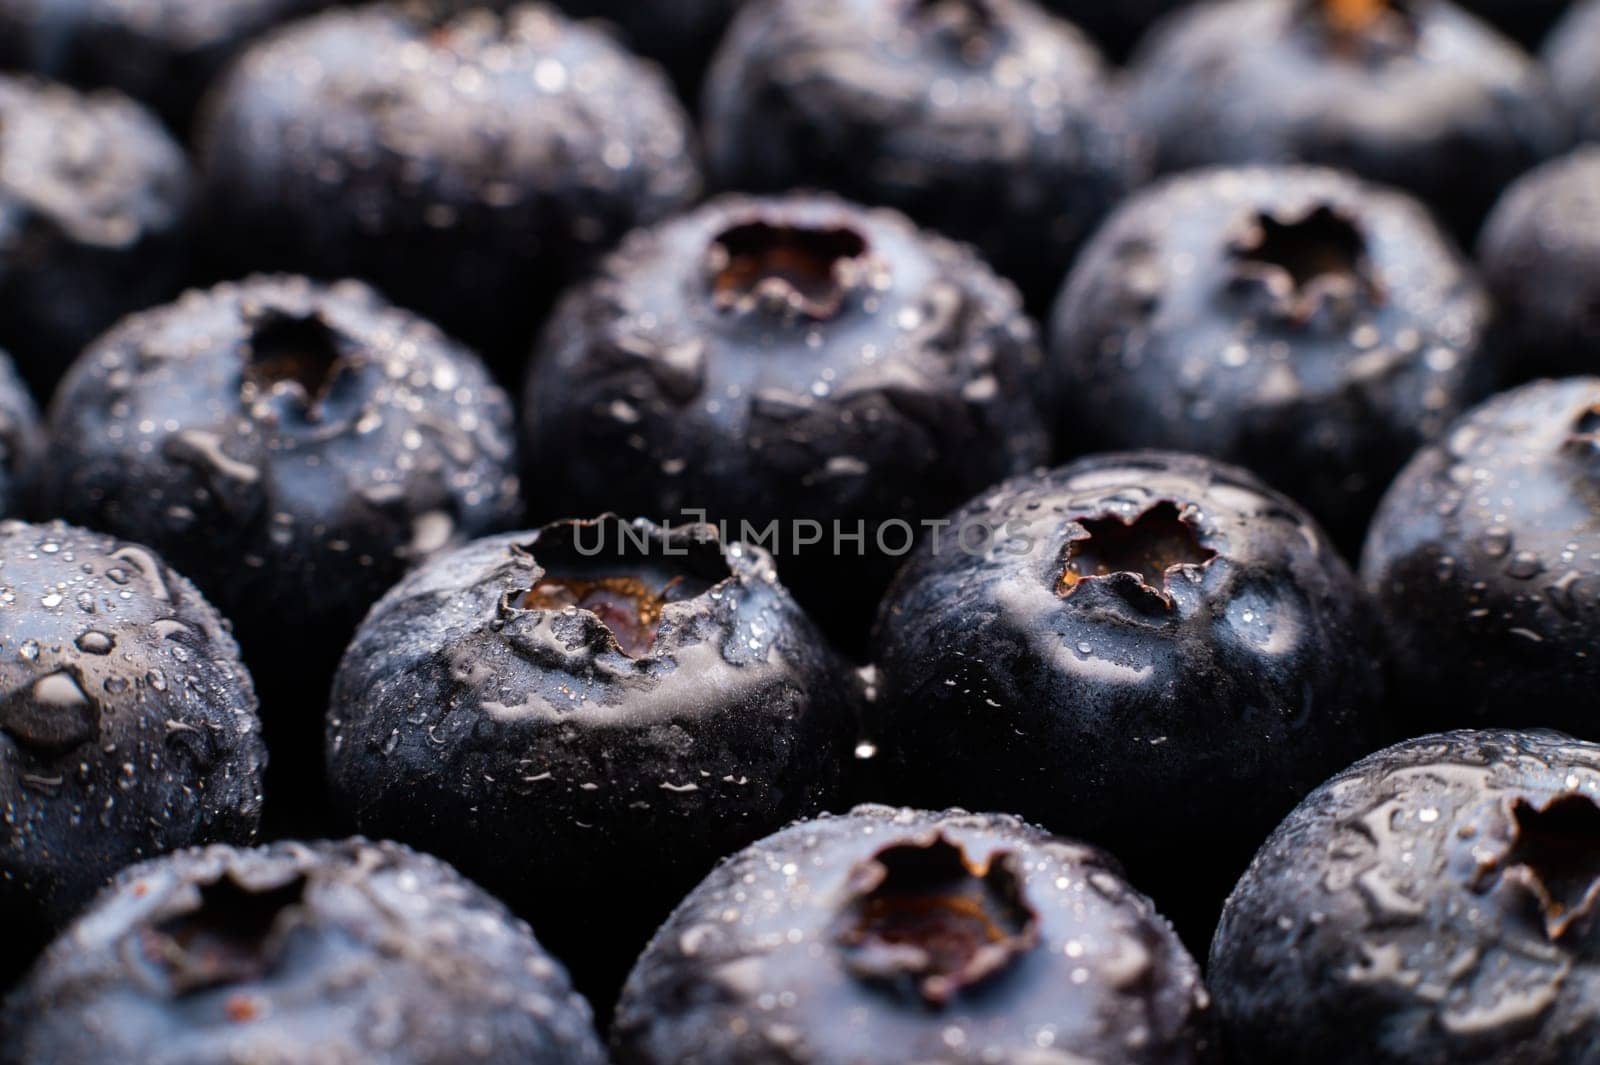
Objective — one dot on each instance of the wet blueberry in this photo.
(21, 440)
(163, 52)
(1435, 903)
(1541, 258)
(127, 723)
(679, 34)
(585, 719)
(901, 936)
(1573, 57)
(467, 162)
(325, 952)
(1118, 26)
(1484, 562)
(1413, 93)
(95, 205)
(988, 120)
(1154, 652)
(785, 361)
(293, 448)
(1305, 324)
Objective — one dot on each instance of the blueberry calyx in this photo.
(1554, 856)
(297, 356)
(1148, 548)
(1305, 264)
(623, 578)
(1585, 435)
(967, 27)
(1369, 29)
(923, 912)
(229, 937)
(791, 270)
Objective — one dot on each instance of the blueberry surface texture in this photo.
(128, 724)
(467, 162)
(679, 34)
(1300, 322)
(1484, 562)
(991, 121)
(1573, 57)
(585, 718)
(1541, 259)
(787, 360)
(349, 953)
(162, 52)
(96, 205)
(899, 936)
(1433, 904)
(294, 448)
(21, 440)
(1150, 651)
(1412, 93)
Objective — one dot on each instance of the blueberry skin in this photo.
(992, 122)
(161, 52)
(649, 397)
(21, 440)
(1572, 56)
(1417, 909)
(588, 785)
(1176, 331)
(1541, 259)
(1482, 563)
(1104, 975)
(467, 163)
(1439, 104)
(679, 34)
(96, 206)
(128, 725)
(348, 952)
(1174, 723)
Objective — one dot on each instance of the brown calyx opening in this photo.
(800, 270)
(922, 912)
(1554, 855)
(1149, 548)
(1368, 27)
(1307, 260)
(299, 353)
(968, 26)
(227, 939)
(623, 577)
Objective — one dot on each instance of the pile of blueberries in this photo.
(828, 664)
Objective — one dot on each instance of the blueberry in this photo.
(1304, 323)
(21, 440)
(1412, 93)
(127, 723)
(1573, 57)
(988, 120)
(467, 162)
(163, 52)
(1484, 561)
(679, 34)
(783, 361)
(899, 936)
(585, 718)
(293, 448)
(1541, 258)
(1434, 903)
(1154, 652)
(95, 215)
(326, 952)
(1118, 26)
